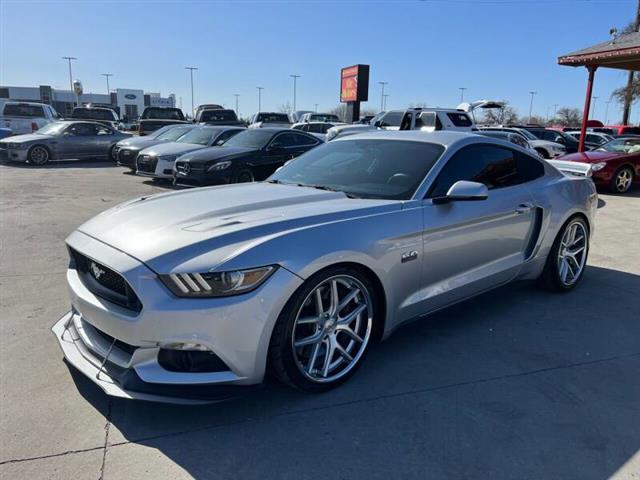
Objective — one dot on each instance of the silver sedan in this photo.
(192, 294)
(62, 141)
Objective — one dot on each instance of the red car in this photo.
(615, 164)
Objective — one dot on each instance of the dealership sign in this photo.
(354, 83)
(130, 96)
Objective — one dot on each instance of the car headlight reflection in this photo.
(216, 167)
(598, 166)
(216, 284)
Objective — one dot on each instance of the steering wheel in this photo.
(399, 179)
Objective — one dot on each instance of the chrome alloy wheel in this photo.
(623, 180)
(332, 328)
(572, 254)
(38, 155)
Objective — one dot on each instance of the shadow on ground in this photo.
(516, 383)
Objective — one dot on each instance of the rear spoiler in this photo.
(577, 169)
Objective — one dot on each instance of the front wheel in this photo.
(568, 257)
(245, 176)
(324, 331)
(38, 155)
(622, 180)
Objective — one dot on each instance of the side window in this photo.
(460, 119)
(391, 119)
(405, 124)
(101, 130)
(82, 129)
(493, 166)
(284, 140)
(303, 140)
(528, 167)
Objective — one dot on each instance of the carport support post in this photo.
(587, 107)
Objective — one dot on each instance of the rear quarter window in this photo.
(460, 119)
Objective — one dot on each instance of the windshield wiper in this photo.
(327, 188)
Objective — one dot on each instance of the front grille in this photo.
(104, 282)
(147, 164)
(126, 156)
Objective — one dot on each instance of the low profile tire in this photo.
(622, 180)
(38, 155)
(567, 259)
(543, 153)
(245, 176)
(112, 157)
(324, 332)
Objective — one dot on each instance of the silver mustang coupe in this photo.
(188, 295)
(62, 141)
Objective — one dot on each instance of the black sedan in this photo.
(251, 155)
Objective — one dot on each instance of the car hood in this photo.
(171, 148)
(591, 157)
(171, 230)
(30, 137)
(215, 153)
(140, 142)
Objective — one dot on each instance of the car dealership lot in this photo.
(517, 383)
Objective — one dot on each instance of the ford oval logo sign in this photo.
(130, 96)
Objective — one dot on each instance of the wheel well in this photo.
(579, 215)
(379, 327)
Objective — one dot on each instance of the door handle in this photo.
(524, 208)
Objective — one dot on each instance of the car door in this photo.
(471, 246)
(77, 140)
(101, 143)
(277, 152)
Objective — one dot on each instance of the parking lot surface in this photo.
(517, 383)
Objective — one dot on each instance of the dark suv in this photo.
(154, 118)
(217, 116)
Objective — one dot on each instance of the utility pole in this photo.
(107, 75)
(606, 112)
(191, 69)
(593, 107)
(384, 101)
(316, 107)
(295, 77)
(382, 96)
(555, 109)
(237, 95)
(260, 98)
(462, 89)
(71, 78)
(531, 105)
(628, 98)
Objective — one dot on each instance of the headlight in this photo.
(216, 284)
(598, 166)
(216, 167)
(558, 148)
(12, 145)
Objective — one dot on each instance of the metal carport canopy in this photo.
(622, 53)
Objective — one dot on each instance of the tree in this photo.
(568, 117)
(285, 108)
(500, 116)
(340, 110)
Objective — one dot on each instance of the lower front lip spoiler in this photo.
(111, 383)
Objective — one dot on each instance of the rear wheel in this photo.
(568, 257)
(38, 155)
(324, 331)
(622, 180)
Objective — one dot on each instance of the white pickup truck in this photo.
(26, 117)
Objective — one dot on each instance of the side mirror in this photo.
(275, 147)
(463, 190)
(377, 124)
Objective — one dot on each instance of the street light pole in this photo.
(462, 89)
(316, 107)
(260, 98)
(237, 95)
(384, 101)
(191, 69)
(107, 75)
(295, 77)
(71, 77)
(382, 96)
(593, 107)
(531, 105)
(555, 109)
(606, 112)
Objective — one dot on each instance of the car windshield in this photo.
(52, 128)
(163, 113)
(380, 168)
(322, 117)
(200, 136)
(250, 139)
(173, 133)
(527, 134)
(218, 116)
(22, 110)
(272, 118)
(622, 145)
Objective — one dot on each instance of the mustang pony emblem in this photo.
(96, 271)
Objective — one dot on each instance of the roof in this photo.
(622, 52)
(443, 137)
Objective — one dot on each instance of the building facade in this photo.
(128, 102)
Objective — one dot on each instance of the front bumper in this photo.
(221, 177)
(13, 154)
(236, 329)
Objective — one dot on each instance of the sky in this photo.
(425, 49)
